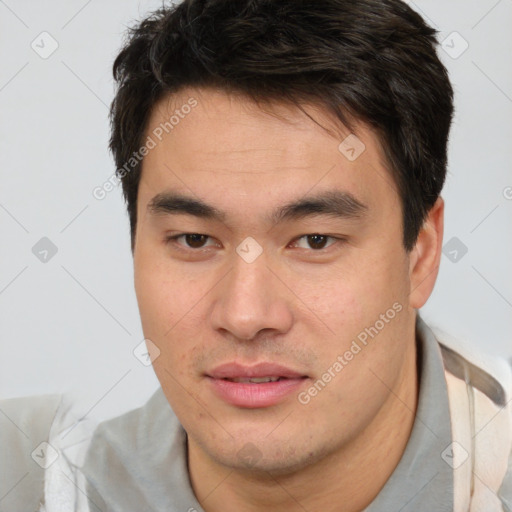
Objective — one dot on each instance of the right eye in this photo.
(194, 241)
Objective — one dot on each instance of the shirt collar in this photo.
(423, 480)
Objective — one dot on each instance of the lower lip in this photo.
(252, 395)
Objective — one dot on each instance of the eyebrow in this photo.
(333, 203)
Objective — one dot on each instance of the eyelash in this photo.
(173, 239)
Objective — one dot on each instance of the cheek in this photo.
(169, 320)
(170, 308)
(162, 291)
(154, 298)
(366, 314)
(341, 310)
(350, 300)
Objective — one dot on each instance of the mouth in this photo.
(259, 386)
(256, 380)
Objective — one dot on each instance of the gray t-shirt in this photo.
(138, 461)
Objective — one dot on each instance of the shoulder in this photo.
(43, 441)
(133, 428)
(55, 460)
(480, 396)
(25, 424)
(123, 466)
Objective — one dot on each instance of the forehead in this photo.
(218, 145)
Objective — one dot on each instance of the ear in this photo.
(425, 257)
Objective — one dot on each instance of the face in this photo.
(264, 250)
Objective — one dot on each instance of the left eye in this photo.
(316, 241)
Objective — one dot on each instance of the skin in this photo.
(295, 305)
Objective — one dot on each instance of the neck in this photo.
(352, 476)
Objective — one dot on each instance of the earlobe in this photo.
(426, 256)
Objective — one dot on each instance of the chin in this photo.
(259, 458)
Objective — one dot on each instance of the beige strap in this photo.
(482, 442)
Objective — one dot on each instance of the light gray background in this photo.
(71, 324)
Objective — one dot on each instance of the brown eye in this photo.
(195, 240)
(316, 241)
(191, 240)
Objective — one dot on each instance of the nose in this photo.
(251, 298)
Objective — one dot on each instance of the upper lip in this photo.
(236, 370)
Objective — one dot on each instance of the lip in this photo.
(235, 370)
(252, 395)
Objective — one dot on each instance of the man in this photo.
(282, 164)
